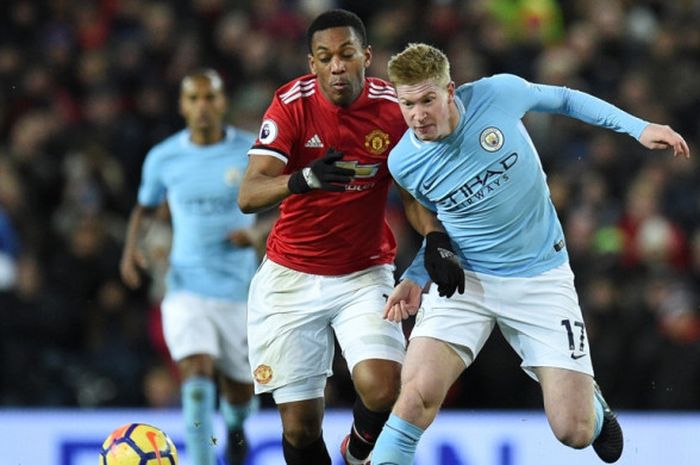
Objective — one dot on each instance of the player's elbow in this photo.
(245, 203)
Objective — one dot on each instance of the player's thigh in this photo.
(362, 332)
(568, 396)
(289, 334)
(463, 321)
(541, 319)
(430, 368)
(187, 327)
(231, 325)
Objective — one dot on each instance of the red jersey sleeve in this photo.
(279, 130)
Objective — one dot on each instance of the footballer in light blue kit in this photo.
(198, 172)
(473, 185)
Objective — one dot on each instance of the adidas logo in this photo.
(314, 142)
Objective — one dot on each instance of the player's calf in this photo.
(609, 443)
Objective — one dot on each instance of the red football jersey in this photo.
(333, 233)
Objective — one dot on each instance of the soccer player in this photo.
(468, 158)
(198, 171)
(322, 151)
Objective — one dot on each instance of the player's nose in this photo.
(337, 65)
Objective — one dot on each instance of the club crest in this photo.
(377, 141)
(491, 139)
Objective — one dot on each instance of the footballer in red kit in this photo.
(321, 154)
(333, 233)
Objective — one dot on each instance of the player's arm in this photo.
(133, 258)
(255, 235)
(436, 257)
(590, 109)
(264, 184)
(440, 261)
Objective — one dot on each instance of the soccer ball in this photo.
(138, 444)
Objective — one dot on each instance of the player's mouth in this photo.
(424, 128)
(340, 86)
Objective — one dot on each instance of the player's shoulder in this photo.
(401, 151)
(497, 82)
(296, 90)
(169, 144)
(381, 90)
(236, 135)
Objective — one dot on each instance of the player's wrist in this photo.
(302, 181)
(438, 239)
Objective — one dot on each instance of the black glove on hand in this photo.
(321, 173)
(442, 264)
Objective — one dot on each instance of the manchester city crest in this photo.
(491, 139)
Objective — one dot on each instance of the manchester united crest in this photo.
(263, 374)
(377, 141)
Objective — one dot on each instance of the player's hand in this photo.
(656, 136)
(131, 263)
(321, 173)
(241, 237)
(403, 302)
(443, 265)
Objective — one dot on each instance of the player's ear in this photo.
(368, 56)
(181, 106)
(312, 64)
(451, 91)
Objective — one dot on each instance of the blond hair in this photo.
(417, 63)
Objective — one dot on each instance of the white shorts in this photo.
(291, 319)
(539, 317)
(194, 324)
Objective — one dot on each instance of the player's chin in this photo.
(342, 96)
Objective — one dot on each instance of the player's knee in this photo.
(576, 433)
(418, 403)
(379, 397)
(300, 434)
(379, 389)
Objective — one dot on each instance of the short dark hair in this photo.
(208, 73)
(337, 18)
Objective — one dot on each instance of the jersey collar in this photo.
(186, 141)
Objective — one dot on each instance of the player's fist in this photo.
(321, 173)
(443, 265)
(132, 261)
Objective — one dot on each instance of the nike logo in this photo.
(576, 357)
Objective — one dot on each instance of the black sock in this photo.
(315, 453)
(365, 429)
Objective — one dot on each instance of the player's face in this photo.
(339, 61)
(202, 104)
(428, 109)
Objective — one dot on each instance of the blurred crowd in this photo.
(88, 86)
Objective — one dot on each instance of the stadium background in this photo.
(89, 86)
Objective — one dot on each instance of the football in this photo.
(138, 444)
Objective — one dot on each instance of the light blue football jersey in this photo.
(200, 183)
(485, 180)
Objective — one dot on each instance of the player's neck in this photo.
(207, 136)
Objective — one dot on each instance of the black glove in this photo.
(321, 173)
(442, 264)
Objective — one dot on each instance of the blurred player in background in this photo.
(198, 171)
(322, 151)
(468, 157)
